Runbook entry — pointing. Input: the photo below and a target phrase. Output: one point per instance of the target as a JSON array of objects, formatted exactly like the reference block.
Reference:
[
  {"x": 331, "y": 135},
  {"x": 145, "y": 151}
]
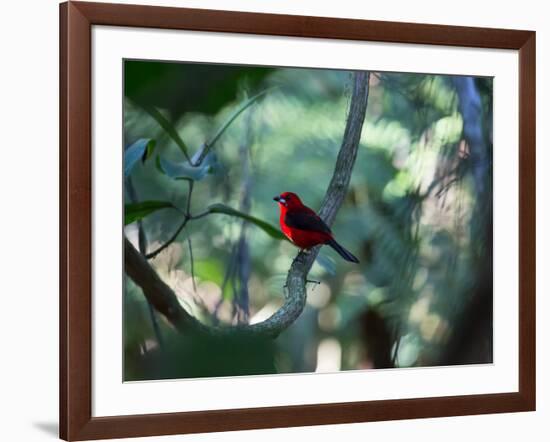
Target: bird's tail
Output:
[{"x": 348, "y": 256}]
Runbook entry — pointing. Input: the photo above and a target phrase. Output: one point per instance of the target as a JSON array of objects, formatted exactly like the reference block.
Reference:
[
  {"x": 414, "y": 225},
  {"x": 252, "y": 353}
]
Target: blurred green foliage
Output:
[{"x": 407, "y": 217}]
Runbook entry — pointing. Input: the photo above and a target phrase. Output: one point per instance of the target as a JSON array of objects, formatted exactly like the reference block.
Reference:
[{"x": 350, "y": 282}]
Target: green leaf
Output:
[
  {"x": 137, "y": 211},
  {"x": 142, "y": 149},
  {"x": 148, "y": 151},
  {"x": 268, "y": 228},
  {"x": 183, "y": 170},
  {"x": 166, "y": 125}
]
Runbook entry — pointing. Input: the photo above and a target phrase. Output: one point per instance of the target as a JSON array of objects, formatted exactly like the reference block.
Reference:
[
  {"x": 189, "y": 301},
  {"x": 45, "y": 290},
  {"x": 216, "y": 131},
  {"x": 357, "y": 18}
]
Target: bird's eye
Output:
[{"x": 288, "y": 197}]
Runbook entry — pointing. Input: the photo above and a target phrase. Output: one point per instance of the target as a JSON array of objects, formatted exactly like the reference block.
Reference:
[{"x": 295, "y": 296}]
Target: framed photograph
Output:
[{"x": 273, "y": 220}]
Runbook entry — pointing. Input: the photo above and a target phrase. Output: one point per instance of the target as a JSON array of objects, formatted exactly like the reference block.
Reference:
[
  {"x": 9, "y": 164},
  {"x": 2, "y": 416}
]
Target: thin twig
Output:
[
  {"x": 187, "y": 216},
  {"x": 191, "y": 264},
  {"x": 190, "y": 183},
  {"x": 186, "y": 219},
  {"x": 170, "y": 241}
]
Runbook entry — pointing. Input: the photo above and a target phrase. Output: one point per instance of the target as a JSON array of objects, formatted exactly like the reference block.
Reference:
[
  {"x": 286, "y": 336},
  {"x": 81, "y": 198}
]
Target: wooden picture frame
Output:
[{"x": 76, "y": 21}]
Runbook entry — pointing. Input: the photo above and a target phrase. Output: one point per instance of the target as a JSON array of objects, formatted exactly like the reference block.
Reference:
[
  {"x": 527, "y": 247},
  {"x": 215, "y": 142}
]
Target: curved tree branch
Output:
[{"x": 164, "y": 299}]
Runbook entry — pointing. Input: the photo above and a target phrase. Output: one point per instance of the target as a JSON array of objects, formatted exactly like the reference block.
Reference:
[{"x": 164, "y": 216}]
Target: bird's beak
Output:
[
  {"x": 279, "y": 200},
  {"x": 276, "y": 198}
]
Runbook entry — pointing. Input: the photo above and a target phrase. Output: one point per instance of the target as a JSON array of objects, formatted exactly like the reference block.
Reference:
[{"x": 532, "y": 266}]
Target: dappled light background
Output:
[{"x": 418, "y": 215}]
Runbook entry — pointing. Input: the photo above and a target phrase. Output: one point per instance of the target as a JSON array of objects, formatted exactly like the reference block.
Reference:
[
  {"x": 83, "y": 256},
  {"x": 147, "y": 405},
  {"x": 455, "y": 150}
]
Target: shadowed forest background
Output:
[{"x": 207, "y": 147}]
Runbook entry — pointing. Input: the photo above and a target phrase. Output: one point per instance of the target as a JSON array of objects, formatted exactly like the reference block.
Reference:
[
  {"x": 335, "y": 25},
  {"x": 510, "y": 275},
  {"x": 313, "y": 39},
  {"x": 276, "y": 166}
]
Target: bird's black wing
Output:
[{"x": 306, "y": 221}]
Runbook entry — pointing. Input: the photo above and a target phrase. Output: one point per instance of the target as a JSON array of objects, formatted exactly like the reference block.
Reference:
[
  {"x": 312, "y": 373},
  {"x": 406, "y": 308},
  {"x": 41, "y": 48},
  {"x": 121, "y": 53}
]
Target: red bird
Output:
[{"x": 304, "y": 227}]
